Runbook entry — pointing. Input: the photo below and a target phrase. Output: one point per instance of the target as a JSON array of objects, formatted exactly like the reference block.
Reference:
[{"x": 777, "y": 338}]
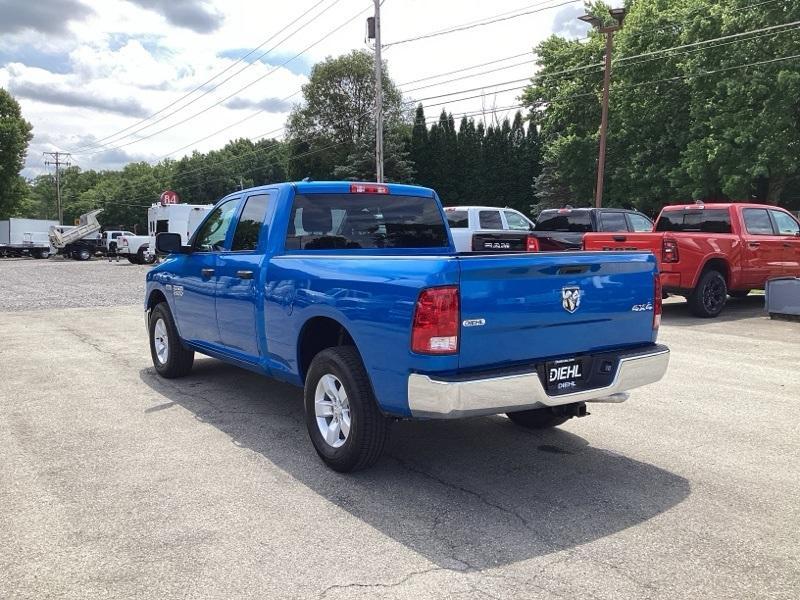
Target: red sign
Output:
[{"x": 169, "y": 197}]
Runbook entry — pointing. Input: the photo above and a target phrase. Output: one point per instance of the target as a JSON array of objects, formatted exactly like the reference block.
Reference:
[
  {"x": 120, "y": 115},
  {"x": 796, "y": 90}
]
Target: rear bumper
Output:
[{"x": 454, "y": 398}]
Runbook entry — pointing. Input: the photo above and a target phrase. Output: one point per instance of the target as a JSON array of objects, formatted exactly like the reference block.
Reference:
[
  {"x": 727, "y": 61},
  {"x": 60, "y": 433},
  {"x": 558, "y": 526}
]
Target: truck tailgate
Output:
[
  {"x": 526, "y": 307},
  {"x": 642, "y": 242}
]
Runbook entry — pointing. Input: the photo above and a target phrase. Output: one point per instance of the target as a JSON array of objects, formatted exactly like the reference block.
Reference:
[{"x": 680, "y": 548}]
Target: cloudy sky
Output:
[{"x": 114, "y": 80}]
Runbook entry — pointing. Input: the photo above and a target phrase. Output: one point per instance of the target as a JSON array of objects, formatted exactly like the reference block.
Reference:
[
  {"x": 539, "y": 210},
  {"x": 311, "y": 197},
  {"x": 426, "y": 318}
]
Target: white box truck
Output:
[{"x": 26, "y": 237}]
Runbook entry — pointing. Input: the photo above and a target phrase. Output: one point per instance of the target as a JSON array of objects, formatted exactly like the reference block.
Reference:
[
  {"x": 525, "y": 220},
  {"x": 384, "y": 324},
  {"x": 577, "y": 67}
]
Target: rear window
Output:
[
  {"x": 356, "y": 221},
  {"x": 457, "y": 218},
  {"x": 714, "y": 220},
  {"x": 573, "y": 220}
]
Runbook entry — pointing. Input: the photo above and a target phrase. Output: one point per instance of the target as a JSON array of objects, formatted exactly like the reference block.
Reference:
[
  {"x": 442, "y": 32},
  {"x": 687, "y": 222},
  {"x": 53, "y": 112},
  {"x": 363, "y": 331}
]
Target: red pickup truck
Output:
[{"x": 707, "y": 252}]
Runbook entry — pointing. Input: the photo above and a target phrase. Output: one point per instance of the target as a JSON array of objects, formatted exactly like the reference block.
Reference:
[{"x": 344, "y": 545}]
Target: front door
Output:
[
  {"x": 763, "y": 249},
  {"x": 194, "y": 286},
  {"x": 239, "y": 305},
  {"x": 788, "y": 229}
]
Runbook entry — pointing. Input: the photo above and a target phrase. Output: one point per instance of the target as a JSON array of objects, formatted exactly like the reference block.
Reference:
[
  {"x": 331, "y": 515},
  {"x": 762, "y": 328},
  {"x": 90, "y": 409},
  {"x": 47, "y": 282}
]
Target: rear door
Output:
[
  {"x": 238, "y": 274},
  {"x": 763, "y": 248},
  {"x": 788, "y": 229},
  {"x": 525, "y": 307},
  {"x": 613, "y": 221}
]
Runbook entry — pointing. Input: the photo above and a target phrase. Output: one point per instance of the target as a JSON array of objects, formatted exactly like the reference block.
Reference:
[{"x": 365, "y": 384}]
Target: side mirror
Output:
[{"x": 169, "y": 243}]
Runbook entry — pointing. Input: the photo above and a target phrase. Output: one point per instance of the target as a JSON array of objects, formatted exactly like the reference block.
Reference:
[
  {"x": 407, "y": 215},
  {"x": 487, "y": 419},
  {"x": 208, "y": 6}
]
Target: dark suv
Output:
[{"x": 563, "y": 228}]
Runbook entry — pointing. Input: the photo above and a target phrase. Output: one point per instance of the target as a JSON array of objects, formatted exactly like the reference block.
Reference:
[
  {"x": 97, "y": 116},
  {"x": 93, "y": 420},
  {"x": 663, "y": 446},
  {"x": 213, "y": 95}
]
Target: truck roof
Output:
[
  {"x": 724, "y": 205},
  {"x": 340, "y": 187}
]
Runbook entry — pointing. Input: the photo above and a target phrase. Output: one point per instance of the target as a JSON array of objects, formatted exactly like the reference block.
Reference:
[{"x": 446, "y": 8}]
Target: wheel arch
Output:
[
  {"x": 317, "y": 334},
  {"x": 715, "y": 263},
  {"x": 156, "y": 297}
]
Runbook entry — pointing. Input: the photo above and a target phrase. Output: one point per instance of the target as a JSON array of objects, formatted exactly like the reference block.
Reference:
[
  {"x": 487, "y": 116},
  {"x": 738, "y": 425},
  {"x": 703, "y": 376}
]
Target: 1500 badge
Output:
[{"x": 642, "y": 307}]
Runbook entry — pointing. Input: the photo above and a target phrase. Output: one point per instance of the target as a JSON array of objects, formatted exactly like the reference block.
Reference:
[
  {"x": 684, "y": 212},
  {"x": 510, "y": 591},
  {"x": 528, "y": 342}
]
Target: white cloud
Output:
[{"x": 138, "y": 54}]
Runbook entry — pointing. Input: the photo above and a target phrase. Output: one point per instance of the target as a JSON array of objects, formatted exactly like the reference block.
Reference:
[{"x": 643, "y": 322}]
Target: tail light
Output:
[
  {"x": 532, "y": 244},
  {"x": 669, "y": 251},
  {"x": 435, "y": 328},
  {"x": 657, "y": 294}
]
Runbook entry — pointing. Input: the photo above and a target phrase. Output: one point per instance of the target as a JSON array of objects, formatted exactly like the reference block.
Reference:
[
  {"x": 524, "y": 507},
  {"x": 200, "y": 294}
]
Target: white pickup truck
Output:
[
  {"x": 490, "y": 229},
  {"x": 136, "y": 248}
]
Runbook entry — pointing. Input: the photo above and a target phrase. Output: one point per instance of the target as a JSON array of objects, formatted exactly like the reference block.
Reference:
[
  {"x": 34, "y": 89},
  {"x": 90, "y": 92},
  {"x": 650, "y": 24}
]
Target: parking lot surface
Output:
[{"x": 117, "y": 484}]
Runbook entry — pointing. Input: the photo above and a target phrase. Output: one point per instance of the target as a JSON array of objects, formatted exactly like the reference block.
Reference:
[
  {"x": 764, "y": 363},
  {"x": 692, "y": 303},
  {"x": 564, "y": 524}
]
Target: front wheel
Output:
[
  {"x": 537, "y": 418},
  {"x": 170, "y": 357},
  {"x": 342, "y": 416},
  {"x": 709, "y": 297}
]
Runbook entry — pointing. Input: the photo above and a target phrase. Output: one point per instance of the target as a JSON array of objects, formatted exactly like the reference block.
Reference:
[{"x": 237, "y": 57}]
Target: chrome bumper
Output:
[{"x": 455, "y": 398}]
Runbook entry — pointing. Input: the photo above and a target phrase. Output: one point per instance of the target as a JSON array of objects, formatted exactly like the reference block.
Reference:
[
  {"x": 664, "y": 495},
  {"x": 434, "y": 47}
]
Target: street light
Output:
[{"x": 608, "y": 28}]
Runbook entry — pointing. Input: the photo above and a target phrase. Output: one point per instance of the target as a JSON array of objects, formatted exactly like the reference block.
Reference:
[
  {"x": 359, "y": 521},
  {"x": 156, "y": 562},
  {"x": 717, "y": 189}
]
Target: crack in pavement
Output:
[{"x": 405, "y": 579}]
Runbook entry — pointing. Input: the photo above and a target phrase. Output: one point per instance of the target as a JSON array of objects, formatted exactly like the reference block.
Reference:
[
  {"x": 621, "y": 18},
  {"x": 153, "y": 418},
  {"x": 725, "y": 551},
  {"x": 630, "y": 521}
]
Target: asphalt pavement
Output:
[{"x": 115, "y": 483}]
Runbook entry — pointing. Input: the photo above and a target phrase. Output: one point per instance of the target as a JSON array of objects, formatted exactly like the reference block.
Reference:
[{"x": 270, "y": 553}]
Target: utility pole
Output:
[
  {"x": 617, "y": 14},
  {"x": 58, "y": 159},
  {"x": 378, "y": 95}
]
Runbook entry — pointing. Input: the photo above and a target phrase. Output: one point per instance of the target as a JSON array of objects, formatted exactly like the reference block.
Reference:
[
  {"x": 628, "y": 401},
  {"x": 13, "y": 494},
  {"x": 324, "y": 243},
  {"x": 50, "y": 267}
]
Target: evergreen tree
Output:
[{"x": 419, "y": 149}]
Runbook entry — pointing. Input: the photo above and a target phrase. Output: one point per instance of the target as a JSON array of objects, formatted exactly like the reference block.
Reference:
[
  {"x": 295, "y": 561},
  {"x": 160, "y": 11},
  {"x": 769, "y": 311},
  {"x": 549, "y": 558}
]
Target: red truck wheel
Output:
[{"x": 709, "y": 297}]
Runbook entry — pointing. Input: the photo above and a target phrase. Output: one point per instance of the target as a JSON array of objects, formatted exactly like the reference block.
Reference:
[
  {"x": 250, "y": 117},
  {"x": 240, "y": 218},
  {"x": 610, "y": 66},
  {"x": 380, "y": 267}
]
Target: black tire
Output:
[
  {"x": 145, "y": 258},
  {"x": 738, "y": 293},
  {"x": 178, "y": 359},
  {"x": 537, "y": 418},
  {"x": 368, "y": 429},
  {"x": 133, "y": 259},
  {"x": 709, "y": 297},
  {"x": 82, "y": 254}
]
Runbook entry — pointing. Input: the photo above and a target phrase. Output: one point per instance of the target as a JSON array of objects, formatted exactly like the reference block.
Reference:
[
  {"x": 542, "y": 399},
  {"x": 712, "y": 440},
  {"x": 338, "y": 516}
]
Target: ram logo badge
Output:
[
  {"x": 473, "y": 322},
  {"x": 570, "y": 298}
]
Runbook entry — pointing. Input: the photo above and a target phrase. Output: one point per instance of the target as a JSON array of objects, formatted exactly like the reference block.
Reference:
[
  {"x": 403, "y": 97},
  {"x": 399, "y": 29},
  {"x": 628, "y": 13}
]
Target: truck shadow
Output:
[
  {"x": 676, "y": 312},
  {"x": 466, "y": 495}
]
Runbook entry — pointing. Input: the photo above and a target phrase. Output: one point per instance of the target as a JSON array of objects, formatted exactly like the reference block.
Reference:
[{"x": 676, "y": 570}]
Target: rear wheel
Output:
[
  {"x": 342, "y": 416},
  {"x": 738, "y": 293},
  {"x": 170, "y": 357},
  {"x": 145, "y": 258},
  {"x": 709, "y": 297},
  {"x": 538, "y": 418}
]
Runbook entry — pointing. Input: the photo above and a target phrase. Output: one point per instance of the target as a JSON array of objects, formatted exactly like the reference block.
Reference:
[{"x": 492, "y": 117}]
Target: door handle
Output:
[
  {"x": 787, "y": 245},
  {"x": 619, "y": 238},
  {"x": 244, "y": 274},
  {"x": 207, "y": 272},
  {"x": 754, "y": 244}
]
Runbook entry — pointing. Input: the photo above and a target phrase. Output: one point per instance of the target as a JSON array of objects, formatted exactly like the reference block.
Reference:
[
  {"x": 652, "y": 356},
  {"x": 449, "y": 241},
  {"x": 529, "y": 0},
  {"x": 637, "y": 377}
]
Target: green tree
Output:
[
  {"x": 15, "y": 134},
  {"x": 337, "y": 112}
]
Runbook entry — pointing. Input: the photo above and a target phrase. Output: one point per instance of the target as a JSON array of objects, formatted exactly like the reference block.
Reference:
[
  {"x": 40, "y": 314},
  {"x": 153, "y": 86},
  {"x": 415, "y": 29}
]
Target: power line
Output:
[
  {"x": 491, "y": 62},
  {"x": 481, "y": 23},
  {"x": 98, "y": 143},
  {"x": 228, "y": 97}
]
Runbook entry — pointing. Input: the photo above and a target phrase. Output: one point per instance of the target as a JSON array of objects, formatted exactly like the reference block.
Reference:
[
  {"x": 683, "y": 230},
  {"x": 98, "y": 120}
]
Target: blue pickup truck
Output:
[{"x": 354, "y": 291}]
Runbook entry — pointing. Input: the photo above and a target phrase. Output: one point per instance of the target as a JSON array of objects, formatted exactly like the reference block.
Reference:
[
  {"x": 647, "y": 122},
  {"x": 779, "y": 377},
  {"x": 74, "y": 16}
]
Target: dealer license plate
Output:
[{"x": 564, "y": 375}]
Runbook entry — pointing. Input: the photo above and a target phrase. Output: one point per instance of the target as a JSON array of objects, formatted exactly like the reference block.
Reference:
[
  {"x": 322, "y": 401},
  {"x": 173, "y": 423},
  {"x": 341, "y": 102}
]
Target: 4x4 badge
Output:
[{"x": 570, "y": 298}]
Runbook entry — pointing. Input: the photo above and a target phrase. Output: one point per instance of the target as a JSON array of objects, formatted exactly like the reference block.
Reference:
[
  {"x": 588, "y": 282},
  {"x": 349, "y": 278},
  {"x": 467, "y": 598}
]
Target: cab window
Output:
[
  {"x": 639, "y": 222},
  {"x": 757, "y": 221},
  {"x": 613, "y": 221},
  {"x": 490, "y": 219},
  {"x": 212, "y": 234},
  {"x": 248, "y": 229},
  {"x": 785, "y": 224},
  {"x": 457, "y": 218},
  {"x": 516, "y": 221}
]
